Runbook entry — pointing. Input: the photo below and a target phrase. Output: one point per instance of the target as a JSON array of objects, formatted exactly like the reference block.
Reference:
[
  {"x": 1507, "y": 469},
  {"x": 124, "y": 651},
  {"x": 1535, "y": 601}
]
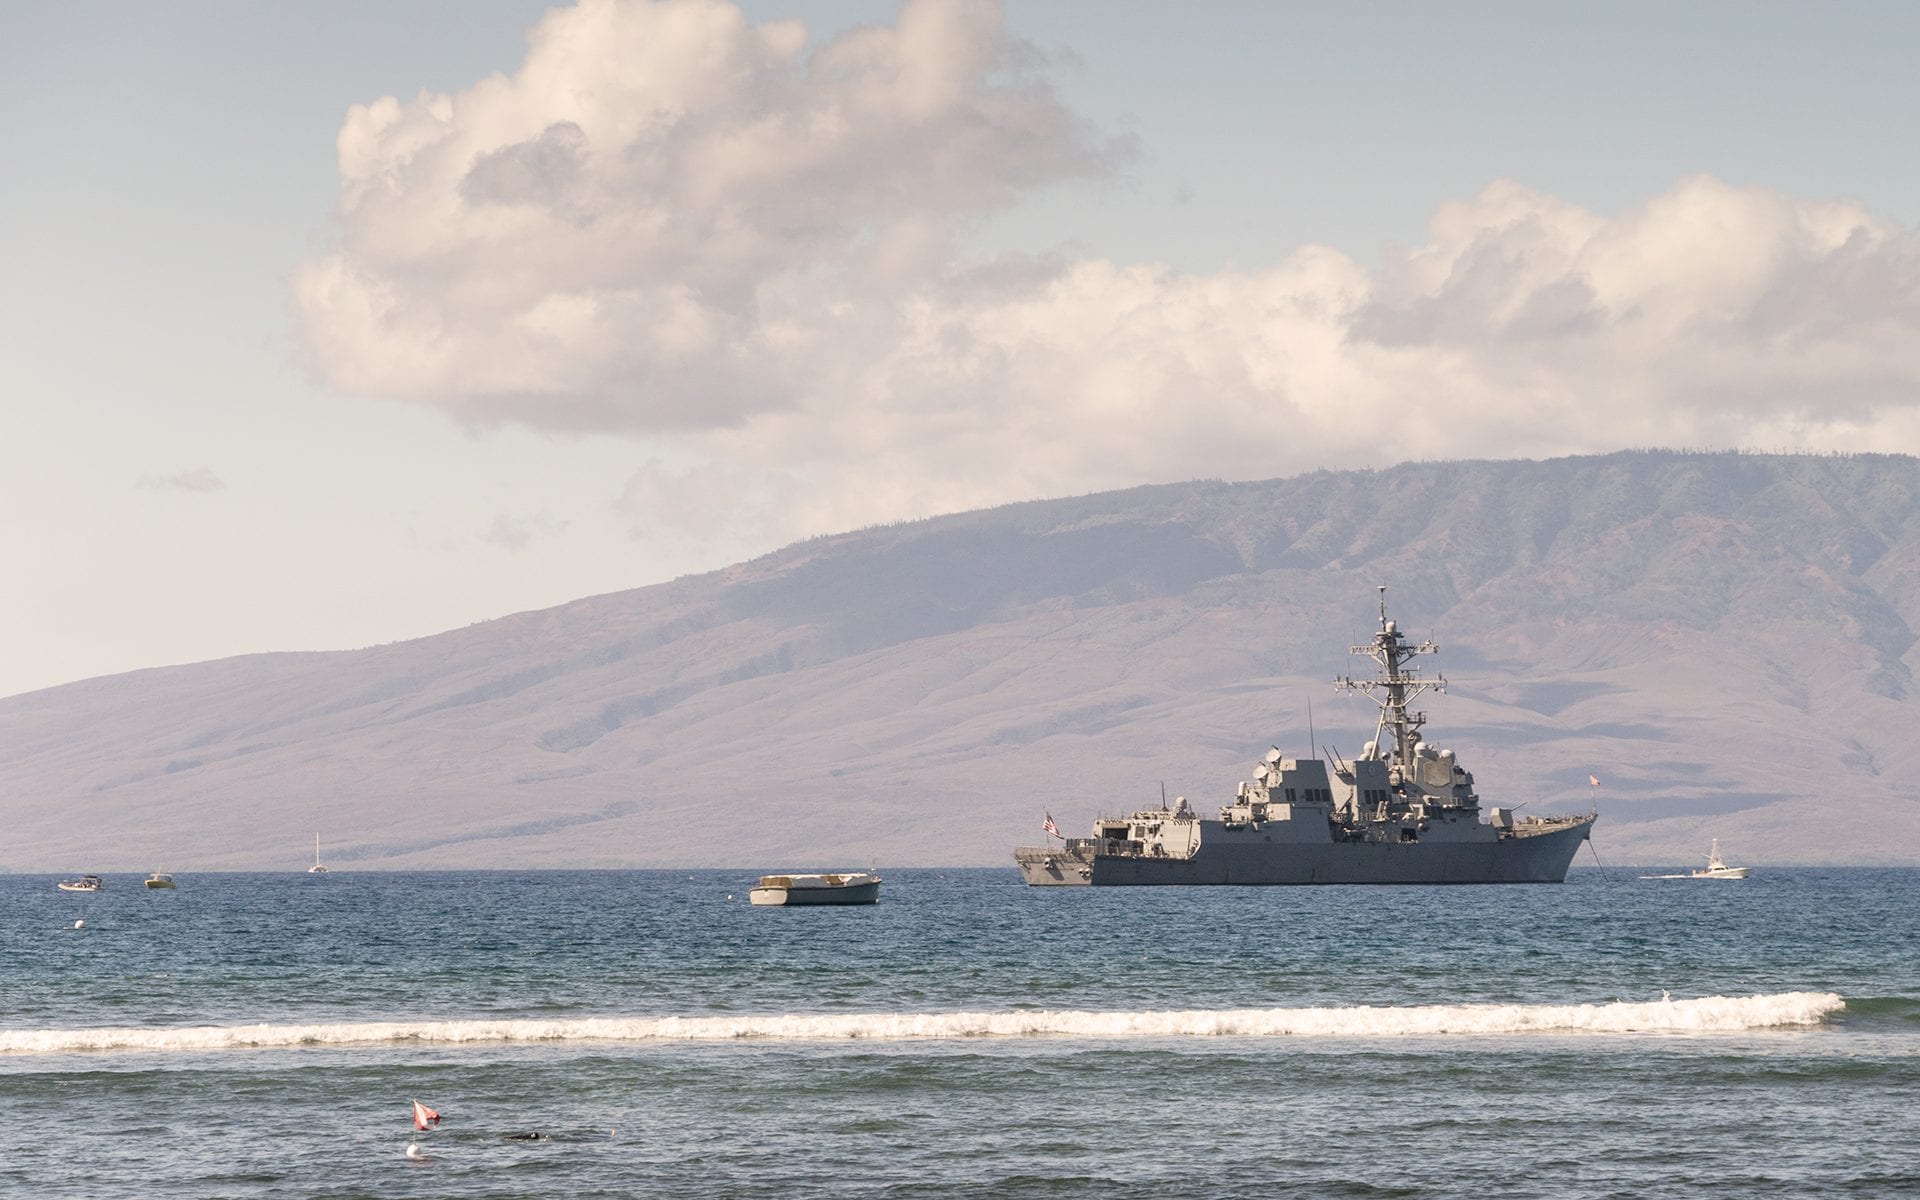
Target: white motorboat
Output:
[
  {"x": 86, "y": 883},
  {"x": 159, "y": 880},
  {"x": 1717, "y": 868},
  {"x": 856, "y": 887}
]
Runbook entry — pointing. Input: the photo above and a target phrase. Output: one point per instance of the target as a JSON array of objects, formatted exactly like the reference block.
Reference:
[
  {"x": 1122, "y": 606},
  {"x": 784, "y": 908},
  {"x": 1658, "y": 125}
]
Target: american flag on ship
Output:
[{"x": 1047, "y": 826}]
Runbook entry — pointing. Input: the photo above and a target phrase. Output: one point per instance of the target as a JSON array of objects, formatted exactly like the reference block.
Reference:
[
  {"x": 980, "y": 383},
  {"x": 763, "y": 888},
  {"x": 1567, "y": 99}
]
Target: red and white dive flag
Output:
[
  {"x": 424, "y": 1117},
  {"x": 1050, "y": 829},
  {"x": 1593, "y": 780}
]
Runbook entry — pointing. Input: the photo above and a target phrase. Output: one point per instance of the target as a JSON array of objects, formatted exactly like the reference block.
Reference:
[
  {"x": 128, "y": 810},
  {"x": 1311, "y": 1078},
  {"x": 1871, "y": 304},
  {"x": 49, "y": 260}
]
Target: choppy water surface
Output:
[{"x": 261, "y": 1035}]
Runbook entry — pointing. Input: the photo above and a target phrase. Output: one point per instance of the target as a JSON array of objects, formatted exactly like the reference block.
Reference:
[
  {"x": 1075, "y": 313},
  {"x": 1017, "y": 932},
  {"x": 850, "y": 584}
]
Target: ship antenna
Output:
[
  {"x": 1397, "y": 682},
  {"x": 1312, "y": 748}
]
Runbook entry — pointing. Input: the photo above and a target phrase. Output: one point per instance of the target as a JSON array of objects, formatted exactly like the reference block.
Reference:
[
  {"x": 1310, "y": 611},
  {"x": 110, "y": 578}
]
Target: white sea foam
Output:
[{"x": 1711, "y": 1014}]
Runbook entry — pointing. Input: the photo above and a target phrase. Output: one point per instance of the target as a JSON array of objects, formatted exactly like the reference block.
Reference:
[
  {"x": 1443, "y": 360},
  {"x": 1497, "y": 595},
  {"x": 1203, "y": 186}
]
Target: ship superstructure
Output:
[{"x": 1403, "y": 811}]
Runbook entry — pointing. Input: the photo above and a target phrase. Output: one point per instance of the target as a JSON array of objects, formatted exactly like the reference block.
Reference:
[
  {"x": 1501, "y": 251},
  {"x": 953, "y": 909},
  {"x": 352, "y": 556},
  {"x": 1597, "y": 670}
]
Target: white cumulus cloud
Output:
[
  {"x": 670, "y": 219},
  {"x": 200, "y": 479},
  {"x": 640, "y": 227}
]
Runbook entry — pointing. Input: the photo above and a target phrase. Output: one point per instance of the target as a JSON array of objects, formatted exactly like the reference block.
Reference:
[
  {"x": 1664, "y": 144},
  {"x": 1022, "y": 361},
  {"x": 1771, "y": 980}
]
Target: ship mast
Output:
[{"x": 1397, "y": 683}]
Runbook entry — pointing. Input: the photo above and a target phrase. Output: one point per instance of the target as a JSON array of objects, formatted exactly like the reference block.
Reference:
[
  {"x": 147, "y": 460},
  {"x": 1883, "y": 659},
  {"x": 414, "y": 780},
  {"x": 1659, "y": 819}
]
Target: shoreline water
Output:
[{"x": 967, "y": 1036}]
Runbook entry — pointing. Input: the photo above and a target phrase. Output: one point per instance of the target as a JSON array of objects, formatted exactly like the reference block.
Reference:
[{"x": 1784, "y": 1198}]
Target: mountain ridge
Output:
[{"x": 1726, "y": 640}]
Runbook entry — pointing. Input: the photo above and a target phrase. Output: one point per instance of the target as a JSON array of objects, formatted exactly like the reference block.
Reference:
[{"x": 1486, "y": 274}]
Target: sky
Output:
[{"x": 334, "y": 325}]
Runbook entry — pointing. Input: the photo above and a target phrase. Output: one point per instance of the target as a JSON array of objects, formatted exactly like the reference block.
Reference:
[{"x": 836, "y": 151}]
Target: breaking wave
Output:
[{"x": 1712, "y": 1014}]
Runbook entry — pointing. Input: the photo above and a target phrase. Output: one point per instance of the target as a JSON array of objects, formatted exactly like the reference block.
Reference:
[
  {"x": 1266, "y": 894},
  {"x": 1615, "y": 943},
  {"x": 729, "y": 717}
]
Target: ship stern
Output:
[{"x": 1048, "y": 866}]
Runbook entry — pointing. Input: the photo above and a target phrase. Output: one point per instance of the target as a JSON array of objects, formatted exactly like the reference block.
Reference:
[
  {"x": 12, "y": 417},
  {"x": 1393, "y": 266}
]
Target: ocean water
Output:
[{"x": 263, "y": 1035}]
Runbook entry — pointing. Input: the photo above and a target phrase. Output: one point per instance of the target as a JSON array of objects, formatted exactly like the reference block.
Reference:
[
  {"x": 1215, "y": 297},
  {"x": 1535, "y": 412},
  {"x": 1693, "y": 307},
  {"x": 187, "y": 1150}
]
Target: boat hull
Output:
[
  {"x": 790, "y": 897},
  {"x": 1541, "y": 857}
]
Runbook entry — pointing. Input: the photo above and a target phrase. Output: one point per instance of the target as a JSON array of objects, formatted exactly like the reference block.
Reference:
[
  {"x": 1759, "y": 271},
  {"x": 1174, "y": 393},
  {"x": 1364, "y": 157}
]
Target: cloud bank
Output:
[
  {"x": 672, "y": 221},
  {"x": 200, "y": 479}
]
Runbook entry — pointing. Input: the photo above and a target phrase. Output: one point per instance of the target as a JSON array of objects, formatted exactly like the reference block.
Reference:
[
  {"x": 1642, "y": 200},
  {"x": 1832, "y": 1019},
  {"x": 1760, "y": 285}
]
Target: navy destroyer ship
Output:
[{"x": 1404, "y": 811}]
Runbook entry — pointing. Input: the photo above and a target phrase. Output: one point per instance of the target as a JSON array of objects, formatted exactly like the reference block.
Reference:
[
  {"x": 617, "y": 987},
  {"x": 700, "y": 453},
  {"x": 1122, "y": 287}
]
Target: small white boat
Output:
[
  {"x": 316, "y": 868},
  {"x": 86, "y": 883},
  {"x": 160, "y": 879},
  {"x": 1717, "y": 868},
  {"x": 857, "y": 887}
]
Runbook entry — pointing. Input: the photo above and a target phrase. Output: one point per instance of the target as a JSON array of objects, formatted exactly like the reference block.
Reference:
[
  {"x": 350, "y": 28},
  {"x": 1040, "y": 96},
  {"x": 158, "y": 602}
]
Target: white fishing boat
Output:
[
  {"x": 316, "y": 868},
  {"x": 856, "y": 887},
  {"x": 1717, "y": 868},
  {"x": 86, "y": 883},
  {"x": 159, "y": 880}
]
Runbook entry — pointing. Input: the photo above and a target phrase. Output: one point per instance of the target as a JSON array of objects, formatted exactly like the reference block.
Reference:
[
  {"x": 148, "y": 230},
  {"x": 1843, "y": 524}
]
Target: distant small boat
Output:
[
  {"x": 160, "y": 879},
  {"x": 858, "y": 887},
  {"x": 86, "y": 883},
  {"x": 1717, "y": 868},
  {"x": 316, "y": 868}
]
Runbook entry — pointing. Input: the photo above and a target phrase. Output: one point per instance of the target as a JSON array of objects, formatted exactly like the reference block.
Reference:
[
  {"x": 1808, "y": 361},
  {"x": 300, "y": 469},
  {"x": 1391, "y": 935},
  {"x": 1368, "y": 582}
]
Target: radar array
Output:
[{"x": 1398, "y": 684}]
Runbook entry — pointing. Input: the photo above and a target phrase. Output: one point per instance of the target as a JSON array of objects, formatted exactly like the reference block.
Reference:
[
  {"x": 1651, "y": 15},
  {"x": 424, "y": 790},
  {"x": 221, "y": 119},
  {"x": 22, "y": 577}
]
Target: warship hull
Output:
[
  {"x": 1403, "y": 811},
  {"x": 1524, "y": 857}
]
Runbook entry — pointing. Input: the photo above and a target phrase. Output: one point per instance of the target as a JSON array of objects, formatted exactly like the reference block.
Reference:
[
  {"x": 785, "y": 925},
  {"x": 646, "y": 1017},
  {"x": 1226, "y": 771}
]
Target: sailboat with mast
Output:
[
  {"x": 317, "y": 868},
  {"x": 1404, "y": 811}
]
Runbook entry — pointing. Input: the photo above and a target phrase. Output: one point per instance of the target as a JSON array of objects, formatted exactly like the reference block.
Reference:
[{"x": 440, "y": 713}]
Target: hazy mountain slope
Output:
[{"x": 1726, "y": 641}]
